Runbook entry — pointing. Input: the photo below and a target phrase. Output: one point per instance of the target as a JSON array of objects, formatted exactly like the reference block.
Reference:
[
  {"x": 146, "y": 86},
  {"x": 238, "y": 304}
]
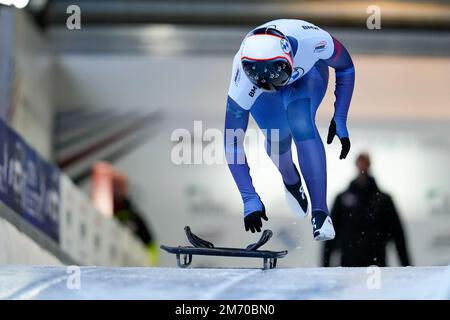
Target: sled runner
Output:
[{"x": 202, "y": 247}]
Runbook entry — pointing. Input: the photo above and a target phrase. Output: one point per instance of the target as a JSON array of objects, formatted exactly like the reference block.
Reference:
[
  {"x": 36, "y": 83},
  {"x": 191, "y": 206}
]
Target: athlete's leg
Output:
[
  {"x": 268, "y": 112},
  {"x": 302, "y": 100}
]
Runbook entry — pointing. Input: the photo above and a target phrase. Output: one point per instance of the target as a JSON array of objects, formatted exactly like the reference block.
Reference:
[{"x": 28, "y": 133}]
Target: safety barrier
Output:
[{"x": 41, "y": 204}]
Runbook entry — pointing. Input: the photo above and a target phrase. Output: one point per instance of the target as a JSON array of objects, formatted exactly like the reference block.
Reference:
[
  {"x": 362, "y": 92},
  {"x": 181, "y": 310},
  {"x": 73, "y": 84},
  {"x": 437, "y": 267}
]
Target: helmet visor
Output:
[{"x": 268, "y": 74}]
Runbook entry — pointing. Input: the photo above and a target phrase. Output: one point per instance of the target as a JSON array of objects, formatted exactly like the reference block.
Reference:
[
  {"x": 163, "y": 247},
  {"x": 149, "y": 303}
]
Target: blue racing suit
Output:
[{"x": 292, "y": 111}]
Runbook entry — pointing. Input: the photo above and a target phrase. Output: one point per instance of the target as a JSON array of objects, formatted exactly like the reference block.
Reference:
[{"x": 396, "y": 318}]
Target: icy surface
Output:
[{"x": 40, "y": 282}]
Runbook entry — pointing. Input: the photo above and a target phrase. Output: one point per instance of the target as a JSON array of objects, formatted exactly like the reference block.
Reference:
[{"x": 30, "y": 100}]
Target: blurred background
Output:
[{"x": 97, "y": 105}]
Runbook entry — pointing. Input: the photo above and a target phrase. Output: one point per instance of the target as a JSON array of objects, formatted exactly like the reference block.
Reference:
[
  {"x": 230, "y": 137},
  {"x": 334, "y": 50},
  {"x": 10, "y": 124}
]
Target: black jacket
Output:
[
  {"x": 131, "y": 217},
  {"x": 365, "y": 220}
]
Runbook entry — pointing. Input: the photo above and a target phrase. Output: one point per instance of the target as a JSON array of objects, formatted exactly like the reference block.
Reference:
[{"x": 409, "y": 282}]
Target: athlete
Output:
[{"x": 280, "y": 76}]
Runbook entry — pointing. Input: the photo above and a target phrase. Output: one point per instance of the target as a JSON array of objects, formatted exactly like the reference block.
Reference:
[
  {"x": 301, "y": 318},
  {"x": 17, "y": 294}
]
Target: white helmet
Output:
[{"x": 266, "y": 58}]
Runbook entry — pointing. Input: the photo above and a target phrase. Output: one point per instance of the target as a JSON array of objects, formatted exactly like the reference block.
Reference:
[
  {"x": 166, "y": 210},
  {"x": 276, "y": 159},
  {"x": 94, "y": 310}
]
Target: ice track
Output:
[{"x": 40, "y": 282}]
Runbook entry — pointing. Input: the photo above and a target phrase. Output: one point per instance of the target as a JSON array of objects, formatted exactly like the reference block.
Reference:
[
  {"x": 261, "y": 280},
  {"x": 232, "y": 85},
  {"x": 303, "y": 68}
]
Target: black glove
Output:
[
  {"x": 345, "y": 141},
  {"x": 253, "y": 221}
]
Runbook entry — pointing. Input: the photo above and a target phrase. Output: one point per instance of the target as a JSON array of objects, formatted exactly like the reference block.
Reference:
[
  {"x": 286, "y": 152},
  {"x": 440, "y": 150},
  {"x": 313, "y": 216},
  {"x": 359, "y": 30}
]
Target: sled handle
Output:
[
  {"x": 195, "y": 240},
  {"x": 267, "y": 234}
]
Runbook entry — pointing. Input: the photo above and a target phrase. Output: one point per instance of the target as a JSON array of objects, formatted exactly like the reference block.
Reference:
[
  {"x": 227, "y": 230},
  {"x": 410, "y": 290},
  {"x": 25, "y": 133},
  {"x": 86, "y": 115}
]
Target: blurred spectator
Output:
[
  {"x": 128, "y": 214},
  {"x": 365, "y": 220},
  {"x": 111, "y": 197}
]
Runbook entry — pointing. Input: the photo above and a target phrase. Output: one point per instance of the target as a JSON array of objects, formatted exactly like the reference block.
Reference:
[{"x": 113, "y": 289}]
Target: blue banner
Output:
[{"x": 29, "y": 185}]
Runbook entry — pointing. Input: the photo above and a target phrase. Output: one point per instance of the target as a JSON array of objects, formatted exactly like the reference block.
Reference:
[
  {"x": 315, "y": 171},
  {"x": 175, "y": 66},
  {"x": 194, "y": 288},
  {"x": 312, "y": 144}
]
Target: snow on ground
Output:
[{"x": 41, "y": 282}]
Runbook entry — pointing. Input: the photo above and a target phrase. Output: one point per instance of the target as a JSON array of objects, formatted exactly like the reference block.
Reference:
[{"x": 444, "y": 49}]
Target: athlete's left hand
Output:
[{"x": 345, "y": 141}]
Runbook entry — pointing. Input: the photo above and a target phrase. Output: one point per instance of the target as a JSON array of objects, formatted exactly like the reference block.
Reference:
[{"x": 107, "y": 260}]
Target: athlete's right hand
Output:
[{"x": 253, "y": 220}]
